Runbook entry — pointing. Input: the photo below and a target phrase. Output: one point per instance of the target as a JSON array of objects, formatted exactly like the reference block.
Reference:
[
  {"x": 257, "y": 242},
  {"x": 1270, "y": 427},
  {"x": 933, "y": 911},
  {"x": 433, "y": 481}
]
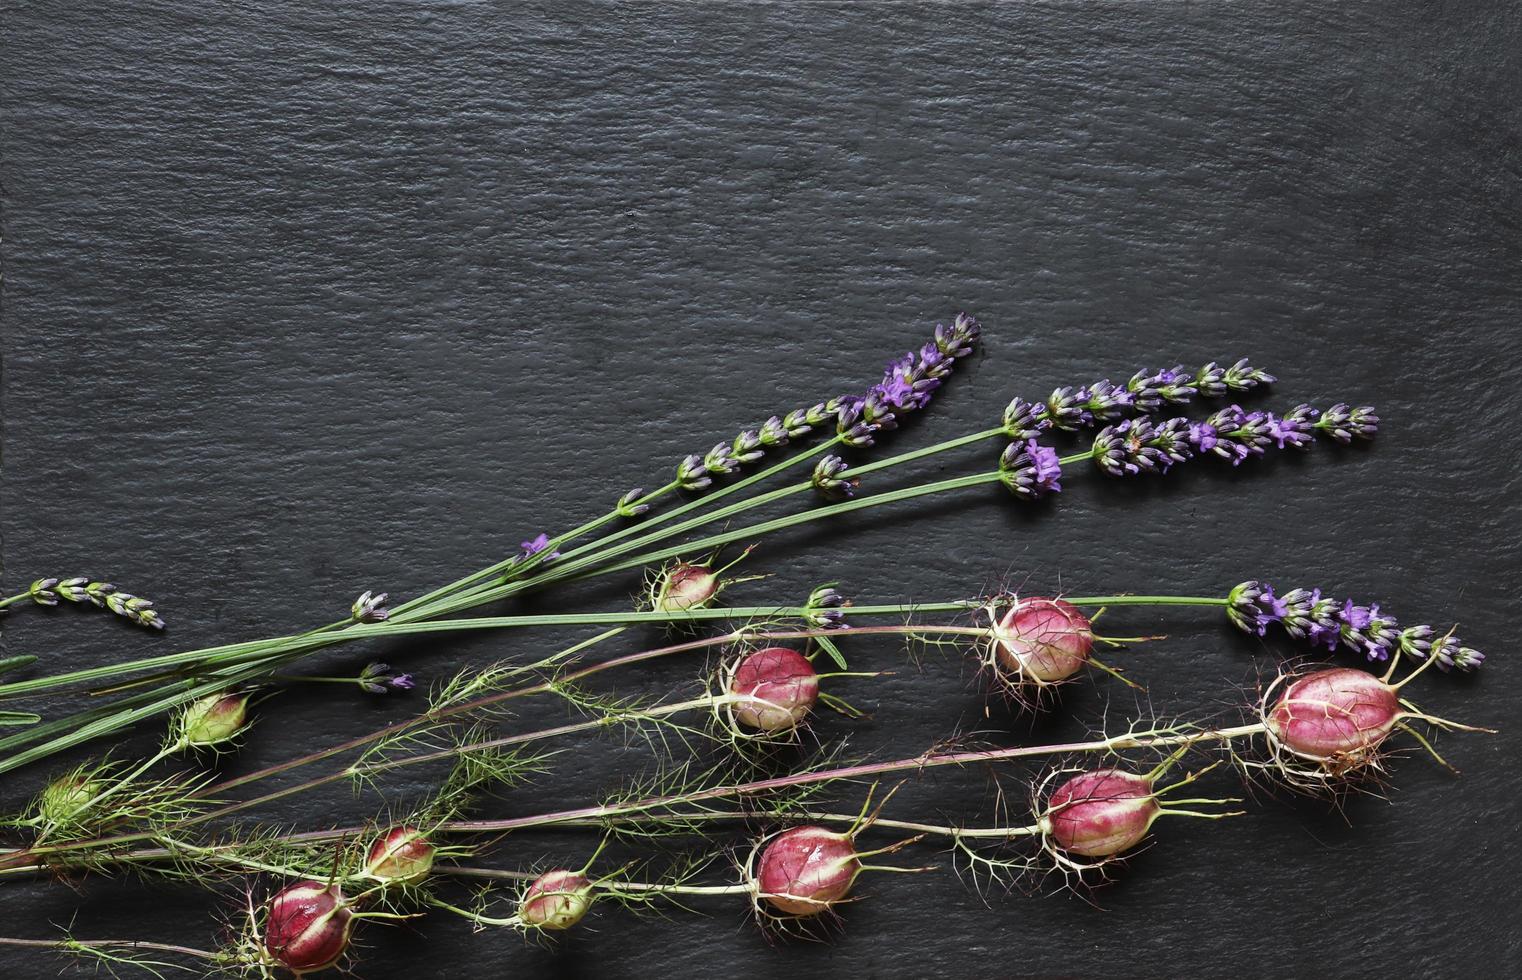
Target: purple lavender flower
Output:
[
  {"x": 1308, "y": 616},
  {"x": 1022, "y": 420},
  {"x": 1150, "y": 391},
  {"x": 1380, "y": 635},
  {"x": 830, "y": 479},
  {"x": 1030, "y": 470},
  {"x": 1202, "y": 436},
  {"x": 826, "y": 609},
  {"x": 1252, "y": 605},
  {"x": 370, "y": 607},
  {"x": 1324, "y": 621},
  {"x": 1295, "y": 428},
  {"x": 377, "y": 678},
  {"x": 1140, "y": 445},
  {"x": 1345, "y": 423},
  {"x": 1242, "y": 376},
  {"x": 629, "y": 504},
  {"x": 535, "y": 546},
  {"x": 1065, "y": 409}
]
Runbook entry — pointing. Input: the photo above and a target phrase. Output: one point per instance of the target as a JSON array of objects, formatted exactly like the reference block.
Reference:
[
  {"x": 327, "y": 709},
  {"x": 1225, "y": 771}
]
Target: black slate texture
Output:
[{"x": 305, "y": 299}]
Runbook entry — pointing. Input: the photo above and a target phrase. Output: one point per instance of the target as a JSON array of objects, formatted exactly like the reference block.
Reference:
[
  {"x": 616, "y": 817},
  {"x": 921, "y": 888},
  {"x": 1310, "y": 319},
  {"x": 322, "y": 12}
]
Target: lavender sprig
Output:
[
  {"x": 907, "y": 385},
  {"x": 104, "y": 595},
  {"x": 1324, "y": 621},
  {"x": 1071, "y": 409}
]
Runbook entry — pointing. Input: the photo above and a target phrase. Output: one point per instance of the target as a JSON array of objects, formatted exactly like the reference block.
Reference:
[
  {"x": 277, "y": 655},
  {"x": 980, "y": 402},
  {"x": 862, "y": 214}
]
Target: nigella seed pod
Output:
[
  {"x": 1042, "y": 640},
  {"x": 777, "y": 688},
  {"x": 213, "y": 720},
  {"x": 64, "y": 800},
  {"x": 556, "y": 900},
  {"x": 1337, "y": 717},
  {"x": 307, "y": 928},
  {"x": 684, "y": 586},
  {"x": 402, "y": 856},
  {"x": 806, "y": 870},
  {"x": 1101, "y": 813}
]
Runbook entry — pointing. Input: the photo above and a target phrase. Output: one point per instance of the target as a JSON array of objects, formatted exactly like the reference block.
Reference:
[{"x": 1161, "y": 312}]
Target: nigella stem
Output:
[
  {"x": 928, "y": 760},
  {"x": 72, "y": 945},
  {"x": 811, "y": 816}
]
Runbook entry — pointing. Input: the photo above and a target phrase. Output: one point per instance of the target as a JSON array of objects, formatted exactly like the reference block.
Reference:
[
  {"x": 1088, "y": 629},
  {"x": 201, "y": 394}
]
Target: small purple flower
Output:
[
  {"x": 1251, "y": 606},
  {"x": 537, "y": 545},
  {"x": 1354, "y": 617},
  {"x": 1295, "y": 428},
  {"x": 1202, "y": 436},
  {"x": 377, "y": 678},
  {"x": 1030, "y": 470}
]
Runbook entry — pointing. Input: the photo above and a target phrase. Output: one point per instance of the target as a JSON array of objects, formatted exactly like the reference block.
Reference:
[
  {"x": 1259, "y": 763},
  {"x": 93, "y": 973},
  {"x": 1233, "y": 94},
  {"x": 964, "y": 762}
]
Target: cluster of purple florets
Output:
[
  {"x": 907, "y": 386},
  {"x": 908, "y": 383},
  {"x": 1143, "y": 445},
  {"x": 1030, "y": 470},
  {"x": 1071, "y": 409},
  {"x": 1324, "y": 621}
]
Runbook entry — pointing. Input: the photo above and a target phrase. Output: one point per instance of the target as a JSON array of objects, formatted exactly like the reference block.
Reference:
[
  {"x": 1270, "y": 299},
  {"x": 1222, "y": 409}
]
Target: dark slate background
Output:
[{"x": 311, "y": 299}]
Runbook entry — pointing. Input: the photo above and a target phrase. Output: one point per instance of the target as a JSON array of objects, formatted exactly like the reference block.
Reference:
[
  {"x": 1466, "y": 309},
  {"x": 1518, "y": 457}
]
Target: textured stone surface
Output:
[{"x": 314, "y": 299}]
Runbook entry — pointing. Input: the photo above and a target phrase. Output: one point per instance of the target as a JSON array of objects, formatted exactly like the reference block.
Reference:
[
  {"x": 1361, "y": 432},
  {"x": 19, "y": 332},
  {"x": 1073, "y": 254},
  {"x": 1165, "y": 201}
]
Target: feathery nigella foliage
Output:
[{"x": 1307, "y": 614}]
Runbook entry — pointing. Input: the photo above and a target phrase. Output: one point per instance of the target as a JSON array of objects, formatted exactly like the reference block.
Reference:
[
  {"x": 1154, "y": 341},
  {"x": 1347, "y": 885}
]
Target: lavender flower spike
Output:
[
  {"x": 1323, "y": 621},
  {"x": 908, "y": 383},
  {"x": 1030, "y": 470}
]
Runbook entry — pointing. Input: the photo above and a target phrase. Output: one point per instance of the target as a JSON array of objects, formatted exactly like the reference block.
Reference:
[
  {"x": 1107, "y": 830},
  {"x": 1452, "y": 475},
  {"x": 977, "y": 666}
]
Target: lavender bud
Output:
[
  {"x": 370, "y": 607},
  {"x": 774, "y": 433},
  {"x": 1064, "y": 409},
  {"x": 1105, "y": 401},
  {"x": 826, "y": 609},
  {"x": 800, "y": 421},
  {"x": 1345, "y": 423},
  {"x": 629, "y": 505},
  {"x": 746, "y": 449},
  {"x": 1251, "y": 606},
  {"x": 958, "y": 339},
  {"x": 692, "y": 474},
  {"x": 377, "y": 678},
  {"x": 720, "y": 461},
  {"x": 830, "y": 480},
  {"x": 1022, "y": 420},
  {"x": 42, "y": 592},
  {"x": 1242, "y": 376}
]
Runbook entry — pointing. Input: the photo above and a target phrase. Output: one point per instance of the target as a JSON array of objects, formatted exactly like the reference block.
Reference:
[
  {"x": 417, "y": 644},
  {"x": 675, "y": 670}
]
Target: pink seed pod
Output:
[
  {"x": 213, "y": 720},
  {"x": 1042, "y": 640},
  {"x": 1100, "y": 813},
  {"x": 783, "y": 686},
  {"x": 307, "y": 929},
  {"x": 401, "y": 856},
  {"x": 556, "y": 900},
  {"x": 684, "y": 586},
  {"x": 806, "y": 870},
  {"x": 1338, "y": 716}
]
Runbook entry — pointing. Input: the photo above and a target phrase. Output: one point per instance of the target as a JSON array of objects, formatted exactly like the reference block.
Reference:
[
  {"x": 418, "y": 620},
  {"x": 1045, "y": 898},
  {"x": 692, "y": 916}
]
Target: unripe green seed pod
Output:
[{"x": 214, "y": 720}]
